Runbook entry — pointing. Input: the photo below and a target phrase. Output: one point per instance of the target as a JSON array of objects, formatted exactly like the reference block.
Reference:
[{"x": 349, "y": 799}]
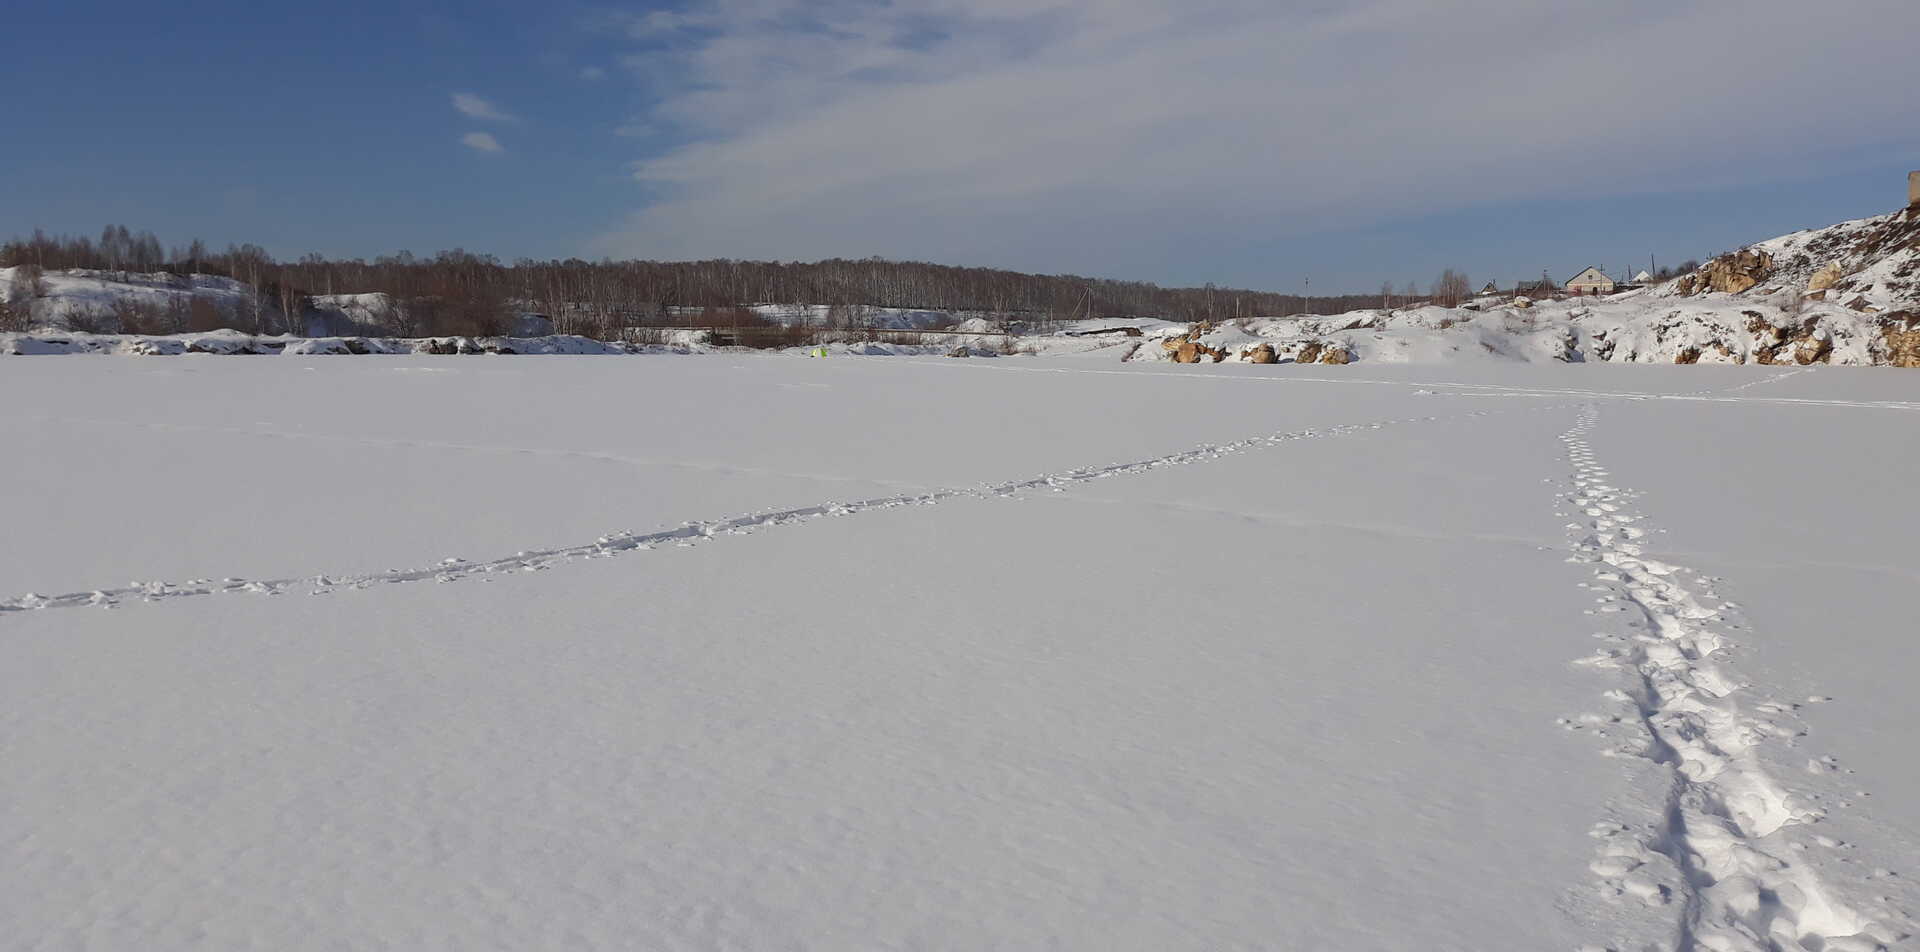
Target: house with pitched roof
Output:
[{"x": 1590, "y": 281}]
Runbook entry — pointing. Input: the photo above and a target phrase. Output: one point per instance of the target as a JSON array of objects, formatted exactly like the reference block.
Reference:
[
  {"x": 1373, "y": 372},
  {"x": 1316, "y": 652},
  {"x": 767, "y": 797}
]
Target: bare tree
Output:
[
  {"x": 23, "y": 287},
  {"x": 135, "y": 315},
  {"x": 1451, "y": 288},
  {"x": 204, "y": 315}
]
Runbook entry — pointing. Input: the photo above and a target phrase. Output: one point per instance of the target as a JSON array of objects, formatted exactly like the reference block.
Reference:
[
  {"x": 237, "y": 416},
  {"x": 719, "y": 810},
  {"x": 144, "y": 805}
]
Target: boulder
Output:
[
  {"x": 1336, "y": 354},
  {"x": 1523, "y": 302},
  {"x": 1187, "y": 348},
  {"x": 1262, "y": 354},
  {"x": 1826, "y": 277},
  {"x": 959, "y": 352},
  {"x": 1309, "y": 353},
  {"x": 1813, "y": 350}
]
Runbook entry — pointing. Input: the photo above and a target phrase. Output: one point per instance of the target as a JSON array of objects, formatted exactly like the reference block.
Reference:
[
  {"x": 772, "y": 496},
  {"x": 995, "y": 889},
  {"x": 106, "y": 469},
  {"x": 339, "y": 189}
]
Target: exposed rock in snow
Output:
[
  {"x": 1900, "y": 335},
  {"x": 1826, "y": 277},
  {"x": 1733, "y": 273}
]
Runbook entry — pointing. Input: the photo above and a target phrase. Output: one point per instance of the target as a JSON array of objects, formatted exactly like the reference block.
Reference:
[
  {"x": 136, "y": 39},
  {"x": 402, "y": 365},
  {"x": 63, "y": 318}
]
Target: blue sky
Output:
[{"x": 1260, "y": 144}]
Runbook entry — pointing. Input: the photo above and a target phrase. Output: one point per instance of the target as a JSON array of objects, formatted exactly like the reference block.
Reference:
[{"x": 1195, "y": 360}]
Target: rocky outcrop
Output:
[
  {"x": 1900, "y": 333},
  {"x": 1803, "y": 343},
  {"x": 1813, "y": 350},
  {"x": 1730, "y": 273},
  {"x": 1263, "y": 354},
  {"x": 1767, "y": 339},
  {"x": 1826, "y": 277},
  {"x": 1336, "y": 354}
]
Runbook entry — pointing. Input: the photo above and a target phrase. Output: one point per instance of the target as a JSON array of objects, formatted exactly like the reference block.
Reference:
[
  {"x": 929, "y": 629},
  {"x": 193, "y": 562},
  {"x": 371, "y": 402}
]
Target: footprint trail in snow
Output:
[
  {"x": 691, "y": 533},
  {"x": 1720, "y": 854}
]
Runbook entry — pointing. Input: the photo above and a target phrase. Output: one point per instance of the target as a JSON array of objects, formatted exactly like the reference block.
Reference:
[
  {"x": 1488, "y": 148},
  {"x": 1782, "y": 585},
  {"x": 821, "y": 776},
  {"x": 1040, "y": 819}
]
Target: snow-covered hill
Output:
[
  {"x": 1846, "y": 294},
  {"x": 86, "y": 299}
]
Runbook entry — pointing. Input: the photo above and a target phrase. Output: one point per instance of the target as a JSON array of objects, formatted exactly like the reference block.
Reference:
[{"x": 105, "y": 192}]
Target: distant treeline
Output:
[{"x": 476, "y": 292}]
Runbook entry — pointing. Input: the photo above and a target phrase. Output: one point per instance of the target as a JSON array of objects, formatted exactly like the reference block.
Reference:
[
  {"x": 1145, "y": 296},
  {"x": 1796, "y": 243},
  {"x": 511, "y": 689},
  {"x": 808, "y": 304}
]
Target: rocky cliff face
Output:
[
  {"x": 1869, "y": 266},
  {"x": 1734, "y": 273}
]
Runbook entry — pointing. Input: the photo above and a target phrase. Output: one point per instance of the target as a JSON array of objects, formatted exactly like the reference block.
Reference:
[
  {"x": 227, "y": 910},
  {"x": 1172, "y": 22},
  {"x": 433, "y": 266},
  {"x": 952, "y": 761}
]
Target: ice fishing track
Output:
[{"x": 1718, "y": 854}]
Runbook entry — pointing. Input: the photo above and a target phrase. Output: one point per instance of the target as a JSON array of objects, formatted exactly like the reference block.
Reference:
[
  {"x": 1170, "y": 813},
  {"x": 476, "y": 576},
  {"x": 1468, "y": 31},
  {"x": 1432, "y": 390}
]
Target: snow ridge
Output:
[
  {"x": 1720, "y": 845},
  {"x": 691, "y": 533}
]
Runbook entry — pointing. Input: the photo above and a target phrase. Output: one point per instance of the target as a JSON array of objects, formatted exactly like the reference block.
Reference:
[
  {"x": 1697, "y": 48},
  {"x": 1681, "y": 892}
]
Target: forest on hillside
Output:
[{"x": 463, "y": 292}]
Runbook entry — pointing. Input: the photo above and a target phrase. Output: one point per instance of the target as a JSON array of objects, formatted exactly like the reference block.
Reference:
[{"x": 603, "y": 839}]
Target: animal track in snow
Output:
[{"x": 1740, "y": 887}]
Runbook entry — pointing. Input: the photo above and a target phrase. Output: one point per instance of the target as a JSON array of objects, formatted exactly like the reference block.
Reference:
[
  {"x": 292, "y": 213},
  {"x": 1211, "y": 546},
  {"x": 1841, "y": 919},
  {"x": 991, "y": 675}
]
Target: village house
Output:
[{"x": 1590, "y": 281}]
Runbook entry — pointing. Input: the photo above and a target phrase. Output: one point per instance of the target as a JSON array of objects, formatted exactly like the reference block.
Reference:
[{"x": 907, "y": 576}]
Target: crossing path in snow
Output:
[{"x": 690, "y": 533}]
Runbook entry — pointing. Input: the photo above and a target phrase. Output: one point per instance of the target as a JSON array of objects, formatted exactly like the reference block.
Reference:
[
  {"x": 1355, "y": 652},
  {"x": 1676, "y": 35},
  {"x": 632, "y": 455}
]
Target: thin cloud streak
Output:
[
  {"x": 482, "y": 142},
  {"x": 474, "y": 107}
]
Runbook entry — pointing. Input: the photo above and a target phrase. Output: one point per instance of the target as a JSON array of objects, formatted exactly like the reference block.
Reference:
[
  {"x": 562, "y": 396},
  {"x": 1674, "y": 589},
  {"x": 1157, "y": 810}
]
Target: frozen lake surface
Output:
[{"x": 737, "y": 652}]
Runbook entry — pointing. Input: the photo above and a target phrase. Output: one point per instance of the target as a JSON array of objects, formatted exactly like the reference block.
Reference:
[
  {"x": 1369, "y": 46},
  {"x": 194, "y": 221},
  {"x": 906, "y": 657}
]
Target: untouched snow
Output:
[{"x": 751, "y": 652}]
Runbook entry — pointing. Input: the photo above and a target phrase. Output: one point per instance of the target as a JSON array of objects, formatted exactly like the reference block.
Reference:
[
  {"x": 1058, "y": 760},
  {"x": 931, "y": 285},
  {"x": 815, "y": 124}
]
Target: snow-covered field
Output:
[{"x": 745, "y": 652}]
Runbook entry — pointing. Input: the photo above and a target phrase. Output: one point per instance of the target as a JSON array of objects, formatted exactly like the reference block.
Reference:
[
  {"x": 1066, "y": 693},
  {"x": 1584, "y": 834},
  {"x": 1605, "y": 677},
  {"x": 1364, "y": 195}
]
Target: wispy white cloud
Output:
[
  {"x": 656, "y": 22},
  {"x": 482, "y": 142},
  {"x": 1095, "y": 134},
  {"x": 474, "y": 107}
]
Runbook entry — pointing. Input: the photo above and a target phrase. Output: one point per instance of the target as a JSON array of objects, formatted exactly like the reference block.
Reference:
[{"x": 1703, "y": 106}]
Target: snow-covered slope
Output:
[
  {"x": 1871, "y": 265},
  {"x": 1847, "y": 294},
  {"x": 91, "y": 298}
]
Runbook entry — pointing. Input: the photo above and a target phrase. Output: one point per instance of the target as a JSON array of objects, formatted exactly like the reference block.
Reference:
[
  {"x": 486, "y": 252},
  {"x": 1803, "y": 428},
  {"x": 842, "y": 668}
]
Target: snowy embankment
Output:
[
  {"x": 230, "y": 343},
  {"x": 1053, "y": 653},
  {"x": 77, "y": 297},
  {"x": 1847, "y": 295},
  {"x": 236, "y": 343}
]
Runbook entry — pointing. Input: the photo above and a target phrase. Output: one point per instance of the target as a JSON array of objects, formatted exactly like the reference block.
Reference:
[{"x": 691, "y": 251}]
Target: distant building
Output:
[
  {"x": 1590, "y": 281},
  {"x": 1491, "y": 288},
  {"x": 1642, "y": 278}
]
